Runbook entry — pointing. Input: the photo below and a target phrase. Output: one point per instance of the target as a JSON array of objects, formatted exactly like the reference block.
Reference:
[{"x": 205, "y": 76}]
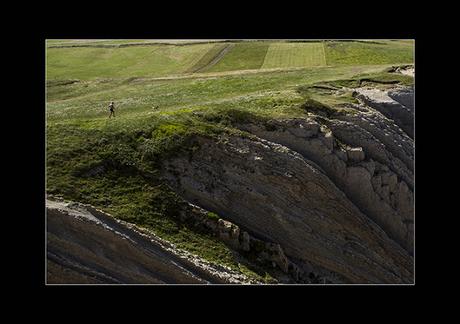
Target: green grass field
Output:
[
  {"x": 243, "y": 56},
  {"x": 157, "y": 60},
  {"x": 381, "y": 52},
  {"x": 91, "y": 62},
  {"x": 155, "y": 118},
  {"x": 281, "y": 55},
  {"x": 99, "y": 42}
]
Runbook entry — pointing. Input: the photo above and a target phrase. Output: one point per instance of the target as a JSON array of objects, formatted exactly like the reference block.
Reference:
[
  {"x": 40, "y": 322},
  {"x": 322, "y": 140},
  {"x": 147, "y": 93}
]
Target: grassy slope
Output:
[
  {"x": 88, "y": 63},
  {"x": 294, "y": 55},
  {"x": 384, "y": 52},
  {"x": 131, "y": 146},
  {"x": 243, "y": 56},
  {"x": 89, "y": 100},
  {"x": 207, "y": 58}
]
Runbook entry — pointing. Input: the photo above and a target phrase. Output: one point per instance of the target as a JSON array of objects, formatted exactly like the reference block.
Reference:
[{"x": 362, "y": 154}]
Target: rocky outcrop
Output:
[
  {"x": 380, "y": 144},
  {"x": 404, "y": 69},
  {"x": 280, "y": 196},
  {"x": 85, "y": 245},
  {"x": 265, "y": 252},
  {"x": 390, "y": 104},
  {"x": 357, "y": 163}
]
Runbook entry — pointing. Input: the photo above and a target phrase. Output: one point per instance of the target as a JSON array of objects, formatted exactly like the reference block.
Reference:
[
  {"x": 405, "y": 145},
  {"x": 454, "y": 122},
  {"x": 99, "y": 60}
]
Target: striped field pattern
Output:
[
  {"x": 159, "y": 60},
  {"x": 284, "y": 55}
]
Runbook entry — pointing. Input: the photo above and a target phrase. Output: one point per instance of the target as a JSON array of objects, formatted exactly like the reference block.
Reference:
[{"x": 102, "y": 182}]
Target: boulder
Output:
[{"x": 229, "y": 233}]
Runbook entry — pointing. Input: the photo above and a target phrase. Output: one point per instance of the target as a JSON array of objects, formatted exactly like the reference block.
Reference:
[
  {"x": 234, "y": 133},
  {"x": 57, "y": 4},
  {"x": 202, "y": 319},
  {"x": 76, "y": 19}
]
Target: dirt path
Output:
[{"x": 207, "y": 75}]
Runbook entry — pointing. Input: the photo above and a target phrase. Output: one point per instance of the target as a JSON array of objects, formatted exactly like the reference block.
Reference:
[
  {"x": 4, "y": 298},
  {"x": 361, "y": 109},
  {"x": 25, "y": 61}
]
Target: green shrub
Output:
[{"x": 212, "y": 215}]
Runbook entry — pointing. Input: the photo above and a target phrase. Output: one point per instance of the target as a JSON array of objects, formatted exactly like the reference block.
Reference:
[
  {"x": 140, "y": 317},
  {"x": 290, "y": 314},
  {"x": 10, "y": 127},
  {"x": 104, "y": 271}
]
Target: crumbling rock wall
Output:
[
  {"x": 280, "y": 196},
  {"x": 380, "y": 192},
  {"x": 389, "y": 103},
  {"x": 269, "y": 253}
]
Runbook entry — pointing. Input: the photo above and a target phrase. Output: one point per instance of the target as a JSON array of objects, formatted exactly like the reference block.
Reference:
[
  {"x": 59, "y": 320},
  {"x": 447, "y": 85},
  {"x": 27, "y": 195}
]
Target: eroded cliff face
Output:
[
  {"x": 358, "y": 163},
  {"x": 335, "y": 193},
  {"x": 397, "y": 105},
  {"x": 278, "y": 195}
]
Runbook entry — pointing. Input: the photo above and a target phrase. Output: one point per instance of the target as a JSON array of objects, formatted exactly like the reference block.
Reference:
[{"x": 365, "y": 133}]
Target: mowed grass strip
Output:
[
  {"x": 243, "y": 56},
  {"x": 87, "y": 63},
  {"x": 283, "y": 55},
  {"x": 359, "y": 53}
]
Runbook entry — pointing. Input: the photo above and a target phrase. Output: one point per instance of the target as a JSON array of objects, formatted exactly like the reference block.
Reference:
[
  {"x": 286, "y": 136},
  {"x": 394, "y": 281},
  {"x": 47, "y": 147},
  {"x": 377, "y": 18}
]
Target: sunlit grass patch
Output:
[{"x": 294, "y": 55}]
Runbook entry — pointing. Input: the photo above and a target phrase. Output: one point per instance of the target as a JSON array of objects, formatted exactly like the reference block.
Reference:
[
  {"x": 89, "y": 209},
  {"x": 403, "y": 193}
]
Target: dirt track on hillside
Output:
[{"x": 216, "y": 58}]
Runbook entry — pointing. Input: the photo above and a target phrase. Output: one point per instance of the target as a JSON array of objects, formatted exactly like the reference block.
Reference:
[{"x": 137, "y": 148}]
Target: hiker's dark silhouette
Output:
[{"x": 112, "y": 109}]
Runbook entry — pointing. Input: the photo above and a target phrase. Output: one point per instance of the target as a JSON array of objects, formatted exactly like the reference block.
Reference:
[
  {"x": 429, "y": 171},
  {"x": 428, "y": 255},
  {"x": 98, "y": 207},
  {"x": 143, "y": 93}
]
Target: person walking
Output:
[{"x": 112, "y": 109}]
